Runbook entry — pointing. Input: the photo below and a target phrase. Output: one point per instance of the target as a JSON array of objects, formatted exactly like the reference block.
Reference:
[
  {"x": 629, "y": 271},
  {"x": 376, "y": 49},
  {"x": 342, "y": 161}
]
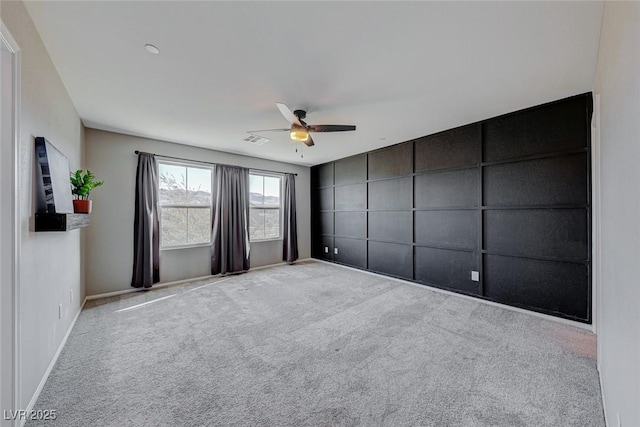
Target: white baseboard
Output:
[
  {"x": 112, "y": 294},
  {"x": 156, "y": 286},
  {"x": 604, "y": 407},
  {"x": 180, "y": 282},
  {"x": 43, "y": 381},
  {"x": 483, "y": 301},
  {"x": 280, "y": 263}
]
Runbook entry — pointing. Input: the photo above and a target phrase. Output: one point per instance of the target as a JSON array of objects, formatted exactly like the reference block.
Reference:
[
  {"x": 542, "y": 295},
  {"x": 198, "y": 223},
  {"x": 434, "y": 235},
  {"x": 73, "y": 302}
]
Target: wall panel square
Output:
[
  {"x": 390, "y": 194},
  {"x": 452, "y": 148},
  {"x": 556, "y": 233},
  {"x": 326, "y": 249},
  {"x": 391, "y": 258},
  {"x": 326, "y": 223},
  {"x": 392, "y": 161},
  {"x": 351, "y": 252},
  {"x": 549, "y": 128},
  {"x": 351, "y": 169},
  {"x": 445, "y": 268},
  {"x": 447, "y": 228},
  {"x": 549, "y": 181},
  {"x": 325, "y": 199},
  {"x": 549, "y": 286},
  {"x": 351, "y": 224},
  {"x": 447, "y": 189},
  {"x": 325, "y": 175},
  {"x": 351, "y": 197},
  {"x": 390, "y": 226}
]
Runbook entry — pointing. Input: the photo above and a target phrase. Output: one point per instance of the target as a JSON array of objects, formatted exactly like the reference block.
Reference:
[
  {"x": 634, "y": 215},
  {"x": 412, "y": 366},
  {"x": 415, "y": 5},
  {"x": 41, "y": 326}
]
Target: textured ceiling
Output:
[{"x": 397, "y": 70}]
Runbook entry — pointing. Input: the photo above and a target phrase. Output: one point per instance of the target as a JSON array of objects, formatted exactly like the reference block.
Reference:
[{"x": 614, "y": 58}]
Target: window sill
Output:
[
  {"x": 171, "y": 248},
  {"x": 269, "y": 239}
]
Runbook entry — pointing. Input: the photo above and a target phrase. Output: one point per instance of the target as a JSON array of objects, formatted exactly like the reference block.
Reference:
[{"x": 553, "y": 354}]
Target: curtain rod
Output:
[{"x": 212, "y": 163}]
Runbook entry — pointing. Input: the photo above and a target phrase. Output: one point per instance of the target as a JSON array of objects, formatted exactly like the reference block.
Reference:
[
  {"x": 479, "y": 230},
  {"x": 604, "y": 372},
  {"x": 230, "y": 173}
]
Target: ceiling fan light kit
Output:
[
  {"x": 299, "y": 130},
  {"x": 298, "y": 133}
]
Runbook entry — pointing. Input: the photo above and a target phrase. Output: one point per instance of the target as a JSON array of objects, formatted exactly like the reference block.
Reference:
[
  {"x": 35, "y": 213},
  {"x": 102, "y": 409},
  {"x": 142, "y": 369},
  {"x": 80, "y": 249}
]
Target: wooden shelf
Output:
[{"x": 61, "y": 221}]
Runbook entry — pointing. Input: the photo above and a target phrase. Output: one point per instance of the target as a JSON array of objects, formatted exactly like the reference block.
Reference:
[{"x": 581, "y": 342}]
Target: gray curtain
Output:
[
  {"x": 146, "y": 237},
  {"x": 290, "y": 245},
  {"x": 230, "y": 233}
]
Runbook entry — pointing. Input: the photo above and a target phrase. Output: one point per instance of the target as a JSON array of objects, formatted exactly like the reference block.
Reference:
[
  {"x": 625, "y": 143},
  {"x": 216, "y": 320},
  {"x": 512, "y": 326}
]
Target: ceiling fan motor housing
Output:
[{"x": 300, "y": 114}]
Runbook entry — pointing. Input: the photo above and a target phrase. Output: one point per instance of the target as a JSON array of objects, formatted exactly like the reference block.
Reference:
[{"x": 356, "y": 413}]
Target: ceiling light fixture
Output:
[{"x": 152, "y": 49}]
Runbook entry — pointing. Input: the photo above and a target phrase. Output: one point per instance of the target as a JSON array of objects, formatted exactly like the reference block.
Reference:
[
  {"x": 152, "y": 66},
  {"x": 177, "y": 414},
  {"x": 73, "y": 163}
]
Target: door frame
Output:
[
  {"x": 13, "y": 242},
  {"x": 596, "y": 210}
]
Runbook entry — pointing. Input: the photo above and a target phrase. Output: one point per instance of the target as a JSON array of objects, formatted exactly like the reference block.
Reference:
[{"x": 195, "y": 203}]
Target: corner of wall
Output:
[
  {"x": 617, "y": 81},
  {"x": 84, "y": 246}
]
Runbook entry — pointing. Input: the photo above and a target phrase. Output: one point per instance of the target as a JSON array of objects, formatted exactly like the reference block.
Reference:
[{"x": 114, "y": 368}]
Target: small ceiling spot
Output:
[
  {"x": 151, "y": 48},
  {"x": 383, "y": 138}
]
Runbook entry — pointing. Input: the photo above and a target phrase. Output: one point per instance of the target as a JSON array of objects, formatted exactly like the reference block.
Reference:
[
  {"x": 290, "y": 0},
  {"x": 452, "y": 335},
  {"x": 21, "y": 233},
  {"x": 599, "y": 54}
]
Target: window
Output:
[
  {"x": 185, "y": 205},
  {"x": 264, "y": 217}
]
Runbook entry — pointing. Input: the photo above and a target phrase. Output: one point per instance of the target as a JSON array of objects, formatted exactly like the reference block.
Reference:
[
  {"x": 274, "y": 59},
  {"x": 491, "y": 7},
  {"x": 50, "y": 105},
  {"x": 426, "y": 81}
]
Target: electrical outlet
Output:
[
  {"x": 326, "y": 249},
  {"x": 335, "y": 251},
  {"x": 475, "y": 276},
  {"x": 60, "y": 311},
  {"x": 71, "y": 295}
]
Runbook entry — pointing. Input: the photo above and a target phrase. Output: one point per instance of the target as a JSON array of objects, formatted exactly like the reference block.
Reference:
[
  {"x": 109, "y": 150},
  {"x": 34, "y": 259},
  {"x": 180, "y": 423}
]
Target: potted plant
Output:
[{"x": 82, "y": 182}]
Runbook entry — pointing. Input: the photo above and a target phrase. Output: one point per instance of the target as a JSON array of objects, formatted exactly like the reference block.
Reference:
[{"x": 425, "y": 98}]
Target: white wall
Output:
[
  {"x": 618, "y": 84},
  {"x": 49, "y": 262},
  {"x": 110, "y": 236}
]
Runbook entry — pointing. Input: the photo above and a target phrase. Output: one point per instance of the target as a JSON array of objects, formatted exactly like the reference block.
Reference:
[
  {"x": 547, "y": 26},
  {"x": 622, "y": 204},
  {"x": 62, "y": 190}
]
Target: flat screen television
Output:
[{"x": 53, "y": 184}]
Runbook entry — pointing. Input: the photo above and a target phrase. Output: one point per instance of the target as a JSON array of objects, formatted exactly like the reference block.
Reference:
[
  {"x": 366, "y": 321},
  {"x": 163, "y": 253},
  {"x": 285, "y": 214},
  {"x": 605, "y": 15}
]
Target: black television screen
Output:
[{"x": 54, "y": 186}]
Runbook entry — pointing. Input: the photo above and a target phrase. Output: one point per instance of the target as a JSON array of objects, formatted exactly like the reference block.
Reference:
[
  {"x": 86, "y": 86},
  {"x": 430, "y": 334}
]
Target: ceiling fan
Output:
[{"x": 299, "y": 130}]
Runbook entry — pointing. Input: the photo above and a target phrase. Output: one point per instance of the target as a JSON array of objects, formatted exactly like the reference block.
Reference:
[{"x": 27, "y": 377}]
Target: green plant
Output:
[{"x": 82, "y": 183}]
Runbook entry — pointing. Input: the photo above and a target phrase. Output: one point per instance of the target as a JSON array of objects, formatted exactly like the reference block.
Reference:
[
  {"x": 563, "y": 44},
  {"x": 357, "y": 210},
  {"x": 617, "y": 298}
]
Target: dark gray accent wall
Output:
[{"x": 508, "y": 197}]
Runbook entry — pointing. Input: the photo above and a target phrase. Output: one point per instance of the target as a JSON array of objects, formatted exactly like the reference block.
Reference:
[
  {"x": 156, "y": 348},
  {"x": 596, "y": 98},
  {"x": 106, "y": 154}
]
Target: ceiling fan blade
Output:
[
  {"x": 309, "y": 142},
  {"x": 269, "y": 130},
  {"x": 288, "y": 114},
  {"x": 331, "y": 128}
]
